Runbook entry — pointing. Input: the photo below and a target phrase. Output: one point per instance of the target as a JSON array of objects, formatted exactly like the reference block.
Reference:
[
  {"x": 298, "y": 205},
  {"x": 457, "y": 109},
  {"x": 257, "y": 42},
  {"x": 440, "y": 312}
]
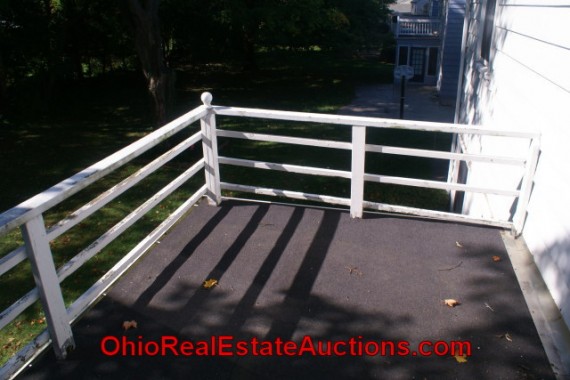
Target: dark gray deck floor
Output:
[{"x": 286, "y": 272}]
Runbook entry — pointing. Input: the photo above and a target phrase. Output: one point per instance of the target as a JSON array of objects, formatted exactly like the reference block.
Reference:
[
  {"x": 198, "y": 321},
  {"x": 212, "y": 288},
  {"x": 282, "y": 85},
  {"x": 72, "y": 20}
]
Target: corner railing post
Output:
[
  {"x": 210, "y": 148},
  {"x": 47, "y": 282},
  {"x": 526, "y": 187},
  {"x": 357, "y": 172}
]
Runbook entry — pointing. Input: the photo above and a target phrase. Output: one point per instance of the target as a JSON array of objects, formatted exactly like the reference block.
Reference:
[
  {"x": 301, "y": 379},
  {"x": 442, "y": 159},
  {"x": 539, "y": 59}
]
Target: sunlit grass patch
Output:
[{"x": 36, "y": 152}]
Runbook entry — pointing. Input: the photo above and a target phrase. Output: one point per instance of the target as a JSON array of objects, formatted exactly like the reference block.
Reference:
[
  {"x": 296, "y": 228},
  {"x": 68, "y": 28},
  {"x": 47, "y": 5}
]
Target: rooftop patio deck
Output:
[{"x": 288, "y": 272}]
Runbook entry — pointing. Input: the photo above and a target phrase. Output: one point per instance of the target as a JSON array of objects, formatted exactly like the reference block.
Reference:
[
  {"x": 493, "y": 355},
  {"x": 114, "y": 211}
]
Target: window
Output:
[
  {"x": 403, "y": 55},
  {"x": 435, "y": 8},
  {"x": 432, "y": 61},
  {"x": 488, "y": 25}
]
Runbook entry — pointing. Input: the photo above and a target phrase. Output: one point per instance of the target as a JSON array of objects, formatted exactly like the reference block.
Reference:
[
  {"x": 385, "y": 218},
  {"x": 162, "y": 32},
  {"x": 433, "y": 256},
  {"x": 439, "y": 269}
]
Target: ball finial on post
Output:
[{"x": 206, "y": 99}]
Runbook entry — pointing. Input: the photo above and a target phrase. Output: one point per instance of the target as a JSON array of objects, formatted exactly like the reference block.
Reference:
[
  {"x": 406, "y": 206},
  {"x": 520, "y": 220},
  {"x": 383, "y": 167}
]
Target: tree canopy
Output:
[{"x": 47, "y": 42}]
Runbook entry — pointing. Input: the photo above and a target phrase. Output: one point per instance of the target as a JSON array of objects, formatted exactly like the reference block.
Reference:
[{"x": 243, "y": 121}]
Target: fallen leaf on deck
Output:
[
  {"x": 496, "y": 258},
  {"x": 354, "y": 270},
  {"x": 210, "y": 283},
  {"x": 451, "y": 302},
  {"x": 461, "y": 358},
  {"x": 129, "y": 325},
  {"x": 507, "y": 336},
  {"x": 458, "y": 244}
]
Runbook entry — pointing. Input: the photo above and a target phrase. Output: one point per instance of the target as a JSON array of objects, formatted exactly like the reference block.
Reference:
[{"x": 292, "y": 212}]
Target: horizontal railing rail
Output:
[
  {"x": 28, "y": 216},
  {"x": 359, "y": 147},
  {"x": 373, "y": 122}
]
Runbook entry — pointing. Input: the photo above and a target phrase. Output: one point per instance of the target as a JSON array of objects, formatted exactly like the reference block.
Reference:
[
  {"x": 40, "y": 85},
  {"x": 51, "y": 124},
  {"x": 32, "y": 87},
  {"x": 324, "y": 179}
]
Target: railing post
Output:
[
  {"x": 526, "y": 187},
  {"x": 453, "y": 173},
  {"x": 210, "y": 148},
  {"x": 398, "y": 23},
  {"x": 47, "y": 282},
  {"x": 357, "y": 172}
]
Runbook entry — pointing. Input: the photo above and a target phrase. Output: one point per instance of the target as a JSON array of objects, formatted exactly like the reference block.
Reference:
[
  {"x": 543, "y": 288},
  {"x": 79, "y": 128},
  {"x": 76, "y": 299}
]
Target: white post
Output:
[
  {"x": 357, "y": 178},
  {"x": 453, "y": 172},
  {"x": 398, "y": 22},
  {"x": 526, "y": 187},
  {"x": 47, "y": 282},
  {"x": 210, "y": 148}
]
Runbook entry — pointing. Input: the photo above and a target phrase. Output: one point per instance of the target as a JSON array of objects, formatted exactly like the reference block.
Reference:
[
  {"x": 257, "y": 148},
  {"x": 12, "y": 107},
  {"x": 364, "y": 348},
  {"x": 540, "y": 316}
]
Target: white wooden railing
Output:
[
  {"x": 420, "y": 27},
  {"x": 359, "y": 147},
  {"x": 28, "y": 216}
]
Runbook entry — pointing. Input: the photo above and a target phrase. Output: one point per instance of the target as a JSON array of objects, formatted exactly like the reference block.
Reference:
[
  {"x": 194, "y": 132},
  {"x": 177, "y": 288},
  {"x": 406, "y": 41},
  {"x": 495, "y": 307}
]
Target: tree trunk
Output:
[
  {"x": 148, "y": 43},
  {"x": 249, "y": 30},
  {"x": 3, "y": 86},
  {"x": 249, "y": 52}
]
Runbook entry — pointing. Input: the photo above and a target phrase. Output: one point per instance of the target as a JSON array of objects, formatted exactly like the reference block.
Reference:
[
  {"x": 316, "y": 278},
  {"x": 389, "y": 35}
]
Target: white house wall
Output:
[{"x": 526, "y": 86}]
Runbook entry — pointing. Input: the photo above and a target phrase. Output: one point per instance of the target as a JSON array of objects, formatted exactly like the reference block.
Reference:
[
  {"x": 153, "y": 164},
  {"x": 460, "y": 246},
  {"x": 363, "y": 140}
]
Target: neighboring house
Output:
[
  {"x": 428, "y": 37},
  {"x": 515, "y": 75}
]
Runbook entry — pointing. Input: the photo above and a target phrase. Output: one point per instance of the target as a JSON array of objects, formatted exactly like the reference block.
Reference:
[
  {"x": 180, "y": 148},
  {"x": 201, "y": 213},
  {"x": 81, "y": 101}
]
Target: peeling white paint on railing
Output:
[
  {"x": 63, "y": 190},
  {"x": 19, "y": 254},
  {"x": 285, "y": 167},
  {"x": 29, "y": 214},
  {"x": 358, "y": 147},
  {"x": 372, "y": 122},
  {"x": 29, "y": 217}
]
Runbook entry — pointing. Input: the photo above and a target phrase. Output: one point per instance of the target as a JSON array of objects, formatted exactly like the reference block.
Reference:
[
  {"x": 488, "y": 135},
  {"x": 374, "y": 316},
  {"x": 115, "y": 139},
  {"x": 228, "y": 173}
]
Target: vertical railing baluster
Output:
[
  {"x": 210, "y": 148},
  {"x": 357, "y": 177},
  {"x": 526, "y": 187},
  {"x": 47, "y": 282}
]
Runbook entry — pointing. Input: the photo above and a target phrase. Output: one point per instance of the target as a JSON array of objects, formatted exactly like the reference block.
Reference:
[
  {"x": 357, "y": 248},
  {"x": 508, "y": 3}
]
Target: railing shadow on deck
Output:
[
  {"x": 29, "y": 215},
  {"x": 198, "y": 315}
]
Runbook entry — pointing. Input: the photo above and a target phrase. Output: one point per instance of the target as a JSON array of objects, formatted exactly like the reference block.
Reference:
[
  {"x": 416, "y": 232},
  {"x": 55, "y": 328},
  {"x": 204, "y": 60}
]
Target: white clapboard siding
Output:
[
  {"x": 546, "y": 25},
  {"x": 527, "y": 88}
]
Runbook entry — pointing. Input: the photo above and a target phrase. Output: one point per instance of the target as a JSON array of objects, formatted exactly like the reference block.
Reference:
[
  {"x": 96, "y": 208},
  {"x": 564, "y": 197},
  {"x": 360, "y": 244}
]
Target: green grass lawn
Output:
[{"x": 89, "y": 121}]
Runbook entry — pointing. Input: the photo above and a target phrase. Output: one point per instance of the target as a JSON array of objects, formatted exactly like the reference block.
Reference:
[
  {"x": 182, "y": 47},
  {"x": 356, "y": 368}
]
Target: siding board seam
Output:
[
  {"x": 534, "y": 38},
  {"x": 534, "y": 71}
]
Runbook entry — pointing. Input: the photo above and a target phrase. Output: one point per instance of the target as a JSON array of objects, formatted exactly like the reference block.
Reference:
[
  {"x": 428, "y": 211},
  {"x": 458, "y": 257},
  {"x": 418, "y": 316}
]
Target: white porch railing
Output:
[
  {"x": 29, "y": 215},
  {"x": 418, "y": 27}
]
